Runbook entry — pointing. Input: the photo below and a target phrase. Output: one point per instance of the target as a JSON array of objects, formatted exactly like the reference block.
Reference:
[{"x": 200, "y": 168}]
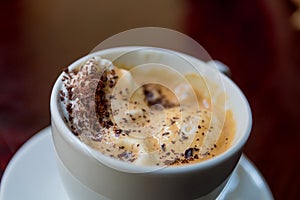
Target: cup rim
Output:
[{"x": 68, "y": 135}]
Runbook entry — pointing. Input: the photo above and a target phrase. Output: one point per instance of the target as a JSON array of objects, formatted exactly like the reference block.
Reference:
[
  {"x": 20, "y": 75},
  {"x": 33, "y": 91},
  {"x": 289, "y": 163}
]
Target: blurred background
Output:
[{"x": 258, "y": 39}]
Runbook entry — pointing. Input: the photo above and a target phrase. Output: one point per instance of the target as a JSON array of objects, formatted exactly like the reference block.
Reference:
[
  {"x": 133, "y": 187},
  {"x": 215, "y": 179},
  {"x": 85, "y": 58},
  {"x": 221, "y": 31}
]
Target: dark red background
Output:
[{"x": 253, "y": 37}]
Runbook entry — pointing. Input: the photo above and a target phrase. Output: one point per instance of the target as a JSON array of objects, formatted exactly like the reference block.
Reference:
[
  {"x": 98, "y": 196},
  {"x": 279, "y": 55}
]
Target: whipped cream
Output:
[{"x": 113, "y": 111}]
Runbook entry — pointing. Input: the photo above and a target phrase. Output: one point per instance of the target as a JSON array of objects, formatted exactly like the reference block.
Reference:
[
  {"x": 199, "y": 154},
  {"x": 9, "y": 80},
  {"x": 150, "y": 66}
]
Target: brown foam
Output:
[{"x": 119, "y": 119}]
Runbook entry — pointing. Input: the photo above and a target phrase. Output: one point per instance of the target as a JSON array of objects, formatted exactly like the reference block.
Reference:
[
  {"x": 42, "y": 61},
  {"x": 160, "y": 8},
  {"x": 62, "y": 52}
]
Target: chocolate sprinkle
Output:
[
  {"x": 163, "y": 147},
  {"x": 188, "y": 153}
]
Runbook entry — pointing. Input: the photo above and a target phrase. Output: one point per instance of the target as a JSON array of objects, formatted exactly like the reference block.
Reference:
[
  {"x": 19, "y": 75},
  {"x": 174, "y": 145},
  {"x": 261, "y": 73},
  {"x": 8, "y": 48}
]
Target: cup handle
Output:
[{"x": 221, "y": 67}]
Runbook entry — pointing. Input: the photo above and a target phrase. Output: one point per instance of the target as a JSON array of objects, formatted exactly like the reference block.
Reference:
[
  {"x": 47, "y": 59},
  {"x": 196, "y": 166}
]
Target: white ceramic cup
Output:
[{"x": 84, "y": 177}]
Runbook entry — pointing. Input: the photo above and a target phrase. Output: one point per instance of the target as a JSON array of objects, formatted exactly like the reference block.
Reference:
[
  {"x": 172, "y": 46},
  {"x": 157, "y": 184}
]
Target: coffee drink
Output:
[{"x": 147, "y": 115}]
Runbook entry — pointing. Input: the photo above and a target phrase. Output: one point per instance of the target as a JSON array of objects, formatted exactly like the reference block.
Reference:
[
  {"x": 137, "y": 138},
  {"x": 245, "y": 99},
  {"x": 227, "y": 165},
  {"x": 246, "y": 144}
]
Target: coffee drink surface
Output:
[{"x": 146, "y": 116}]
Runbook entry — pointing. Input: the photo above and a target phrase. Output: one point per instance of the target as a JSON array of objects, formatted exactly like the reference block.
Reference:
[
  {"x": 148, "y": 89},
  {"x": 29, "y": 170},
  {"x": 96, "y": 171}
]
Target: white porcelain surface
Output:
[{"x": 32, "y": 175}]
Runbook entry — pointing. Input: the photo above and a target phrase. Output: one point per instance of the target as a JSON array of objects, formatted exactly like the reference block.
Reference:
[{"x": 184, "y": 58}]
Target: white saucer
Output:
[{"x": 32, "y": 175}]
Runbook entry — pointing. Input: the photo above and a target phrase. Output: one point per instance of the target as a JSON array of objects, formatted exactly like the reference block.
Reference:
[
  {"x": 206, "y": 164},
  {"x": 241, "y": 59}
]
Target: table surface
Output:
[{"x": 260, "y": 47}]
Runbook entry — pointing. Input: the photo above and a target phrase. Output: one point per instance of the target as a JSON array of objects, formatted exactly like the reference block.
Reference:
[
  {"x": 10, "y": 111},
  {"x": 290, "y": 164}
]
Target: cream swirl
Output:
[{"x": 112, "y": 111}]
